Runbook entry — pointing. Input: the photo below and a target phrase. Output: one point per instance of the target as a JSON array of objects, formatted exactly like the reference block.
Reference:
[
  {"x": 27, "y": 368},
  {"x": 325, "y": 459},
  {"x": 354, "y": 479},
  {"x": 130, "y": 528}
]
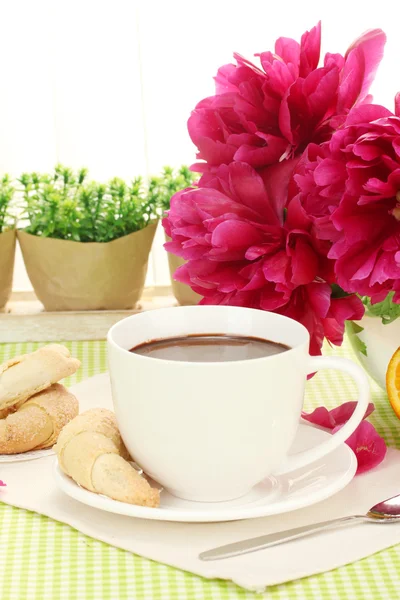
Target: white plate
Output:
[
  {"x": 274, "y": 495},
  {"x": 32, "y": 455}
]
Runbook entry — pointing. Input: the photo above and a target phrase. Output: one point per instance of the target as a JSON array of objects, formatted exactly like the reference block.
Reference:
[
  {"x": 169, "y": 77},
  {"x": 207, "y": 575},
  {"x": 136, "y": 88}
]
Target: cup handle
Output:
[{"x": 315, "y": 363}]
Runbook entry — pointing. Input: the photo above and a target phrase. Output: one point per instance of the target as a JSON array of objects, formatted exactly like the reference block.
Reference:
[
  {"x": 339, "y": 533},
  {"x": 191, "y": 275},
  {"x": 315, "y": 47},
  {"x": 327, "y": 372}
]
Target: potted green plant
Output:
[
  {"x": 161, "y": 189},
  {"x": 7, "y": 239},
  {"x": 86, "y": 245}
]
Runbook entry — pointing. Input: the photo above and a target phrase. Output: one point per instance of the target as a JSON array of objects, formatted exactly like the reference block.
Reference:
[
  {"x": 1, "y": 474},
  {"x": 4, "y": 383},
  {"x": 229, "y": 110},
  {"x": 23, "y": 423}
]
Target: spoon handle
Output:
[{"x": 273, "y": 539}]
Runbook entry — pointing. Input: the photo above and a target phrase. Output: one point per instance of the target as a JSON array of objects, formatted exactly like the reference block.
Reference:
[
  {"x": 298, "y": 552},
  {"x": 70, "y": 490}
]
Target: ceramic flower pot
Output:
[
  {"x": 183, "y": 293},
  {"x": 70, "y": 275},
  {"x": 374, "y": 345},
  {"x": 7, "y": 254}
]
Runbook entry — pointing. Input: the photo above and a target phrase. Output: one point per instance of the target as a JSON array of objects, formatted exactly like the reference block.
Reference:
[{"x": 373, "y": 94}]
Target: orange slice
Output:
[{"x": 393, "y": 382}]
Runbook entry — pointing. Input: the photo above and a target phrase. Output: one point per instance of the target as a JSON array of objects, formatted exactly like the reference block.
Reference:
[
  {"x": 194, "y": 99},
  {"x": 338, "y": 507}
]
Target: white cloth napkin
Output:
[{"x": 31, "y": 485}]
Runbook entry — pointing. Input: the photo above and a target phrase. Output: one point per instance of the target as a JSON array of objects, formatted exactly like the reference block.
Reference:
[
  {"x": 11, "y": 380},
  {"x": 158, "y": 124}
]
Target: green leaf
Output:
[
  {"x": 7, "y": 192},
  {"x": 356, "y": 327},
  {"x": 337, "y": 291},
  {"x": 387, "y": 310},
  {"x": 161, "y": 189},
  {"x": 353, "y": 329}
]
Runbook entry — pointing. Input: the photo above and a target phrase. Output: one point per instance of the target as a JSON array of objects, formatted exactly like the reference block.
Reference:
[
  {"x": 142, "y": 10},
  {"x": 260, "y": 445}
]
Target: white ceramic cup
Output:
[{"x": 210, "y": 431}]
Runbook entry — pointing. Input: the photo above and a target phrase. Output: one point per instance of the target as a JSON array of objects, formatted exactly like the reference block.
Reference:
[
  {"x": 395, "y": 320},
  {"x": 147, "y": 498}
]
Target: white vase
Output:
[{"x": 381, "y": 341}]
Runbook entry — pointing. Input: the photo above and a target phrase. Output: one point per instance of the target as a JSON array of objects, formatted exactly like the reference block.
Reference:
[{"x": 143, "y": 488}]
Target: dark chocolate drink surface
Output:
[{"x": 209, "y": 348}]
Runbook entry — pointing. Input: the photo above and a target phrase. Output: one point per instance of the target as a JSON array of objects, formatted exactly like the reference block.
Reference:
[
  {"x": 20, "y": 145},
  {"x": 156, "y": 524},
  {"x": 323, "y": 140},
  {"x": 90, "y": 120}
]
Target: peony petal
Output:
[
  {"x": 333, "y": 331},
  {"x": 295, "y": 309},
  {"x": 367, "y": 152},
  {"x": 2, "y": 484},
  {"x": 275, "y": 266},
  {"x": 366, "y": 113},
  {"x": 211, "y": 203},
  {"x": 397, "y": 104},
  {"x": 208, "y": 132},
  {"x": 334, "y": 59},
  {"x": 319, "y": 296},
  {"x": 367, "y": 445},
  {"x": 304, "y": 260},
  {"x": 337, "y": 417},
  {"x": 167, "y": 226},
  {"x": 255, "y": 277},
  {"x": 342, "y": 413},
  {"x": 255, "y": 252},
  {"x": 296, "y": 216},
  {"x": 250, "y": 190},
  {"x": 310, "y": 50},
  {"x": 319, "y": 88},
  {"x": 266, "y": 155},
  {"x": 385, "y": 268},
  {"x": 348, "y": 308},
  {"x": 280, "y": 75},
  {"x": 223, "y": 82},
  {"x": 232, "y": 235},
  {"x": 285, "y": 120},
  {"x": 214, "y": 152},
  {"x": 288, "y": 50},
  {"x": 270, "y": 299},
  {"x": 371, "y": 45},
  {"x": 276, "y": 180},
  {"x": 352, "y": 80},
  {"x": 329, "y": 171},
  {"x": 320, "y": 416}
]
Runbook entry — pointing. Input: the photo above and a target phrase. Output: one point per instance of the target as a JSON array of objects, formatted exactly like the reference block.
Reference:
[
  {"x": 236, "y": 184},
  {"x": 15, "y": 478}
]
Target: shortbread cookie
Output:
[
  {"x": 38, "y": 422},
  {"x": 26, "y": 375},
  {"x": 90, "y": 450}
]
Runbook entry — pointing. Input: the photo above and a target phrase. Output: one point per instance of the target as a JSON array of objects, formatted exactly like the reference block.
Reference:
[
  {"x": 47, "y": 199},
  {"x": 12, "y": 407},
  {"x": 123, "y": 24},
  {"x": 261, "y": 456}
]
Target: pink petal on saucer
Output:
[
  {"x": 342, "y": 413},
  {"x": 367, "y": 445},
  {"x": 329, "y": 419},
  {"x": 320, "y": 416}
]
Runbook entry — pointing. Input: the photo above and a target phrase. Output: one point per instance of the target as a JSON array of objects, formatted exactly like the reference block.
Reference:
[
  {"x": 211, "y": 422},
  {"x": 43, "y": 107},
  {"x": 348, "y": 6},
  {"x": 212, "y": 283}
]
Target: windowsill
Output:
[{"x": 25, "y": 319}]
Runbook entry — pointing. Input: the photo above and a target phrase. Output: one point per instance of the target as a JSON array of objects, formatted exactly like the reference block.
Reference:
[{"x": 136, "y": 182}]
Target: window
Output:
[{"x": 109, "y": 85}]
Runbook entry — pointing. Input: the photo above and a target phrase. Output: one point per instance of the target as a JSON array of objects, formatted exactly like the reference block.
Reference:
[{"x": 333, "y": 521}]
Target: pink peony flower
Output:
[
  {"x": 367, "y": 445},
  {"x": 2, "y": 484},
  {"x": 243, "y": 249},
  {"x": 350, "y": 190},
  {"x": 264, "y": 115}
]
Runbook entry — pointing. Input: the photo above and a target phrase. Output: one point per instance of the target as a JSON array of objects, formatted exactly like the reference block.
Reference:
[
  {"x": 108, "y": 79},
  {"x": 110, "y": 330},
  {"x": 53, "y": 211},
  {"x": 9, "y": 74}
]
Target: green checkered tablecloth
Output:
[{"x": 45, "y": 560}]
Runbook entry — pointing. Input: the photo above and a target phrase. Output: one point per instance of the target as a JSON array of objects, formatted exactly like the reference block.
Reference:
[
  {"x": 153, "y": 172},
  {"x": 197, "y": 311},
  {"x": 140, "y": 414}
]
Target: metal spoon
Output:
[{"x": 387, "y": 511}]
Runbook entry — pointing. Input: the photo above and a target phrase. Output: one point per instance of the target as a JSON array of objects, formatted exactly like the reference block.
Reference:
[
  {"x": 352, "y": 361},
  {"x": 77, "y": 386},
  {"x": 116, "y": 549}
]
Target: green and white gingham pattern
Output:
[{"x": 45, "y": 560}]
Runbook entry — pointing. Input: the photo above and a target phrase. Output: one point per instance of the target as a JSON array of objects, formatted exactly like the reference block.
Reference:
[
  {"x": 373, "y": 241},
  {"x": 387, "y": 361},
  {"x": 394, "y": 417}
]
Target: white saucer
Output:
[
  {"x": 32, "y": 455},
  {"x": 274, "y": 495}
]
